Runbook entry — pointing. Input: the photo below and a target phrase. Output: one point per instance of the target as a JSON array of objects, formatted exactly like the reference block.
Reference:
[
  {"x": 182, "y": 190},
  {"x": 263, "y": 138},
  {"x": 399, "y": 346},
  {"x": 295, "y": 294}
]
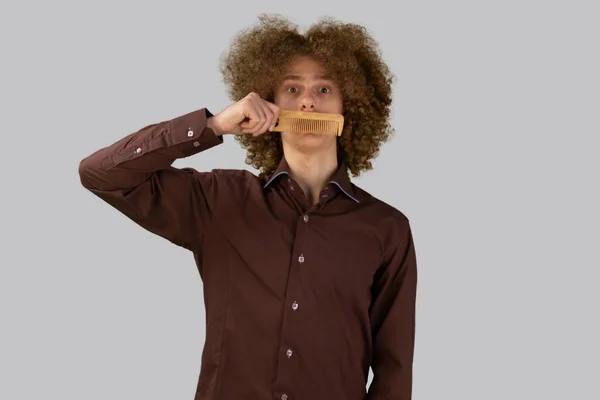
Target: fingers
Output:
[
  {"x": 275, "y": 114},
  {"x": 255, "y": 116},
  {"x": 263, "y": 124},
  {"x": 262, "y": 115},
  {"x": 271, "y": 115}
]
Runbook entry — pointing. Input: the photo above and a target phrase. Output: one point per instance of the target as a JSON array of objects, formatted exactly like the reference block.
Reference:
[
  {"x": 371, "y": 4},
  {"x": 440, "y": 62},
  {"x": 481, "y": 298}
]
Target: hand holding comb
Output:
[{"x": 309, "y": 122}]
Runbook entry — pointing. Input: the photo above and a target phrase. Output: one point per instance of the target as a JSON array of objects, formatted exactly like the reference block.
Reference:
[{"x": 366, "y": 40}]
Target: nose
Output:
[{"x": 307, "y": 103}]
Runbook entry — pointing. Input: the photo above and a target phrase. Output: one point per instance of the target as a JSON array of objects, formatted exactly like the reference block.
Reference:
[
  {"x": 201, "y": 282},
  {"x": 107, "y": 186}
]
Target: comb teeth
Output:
[
  {"x": 319, "y": 127},
  {"x": 309, "y": 122}
]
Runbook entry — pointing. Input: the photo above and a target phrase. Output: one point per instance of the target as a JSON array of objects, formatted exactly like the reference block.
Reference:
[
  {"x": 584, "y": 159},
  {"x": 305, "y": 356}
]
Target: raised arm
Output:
[{"x": 135, "y": 175}]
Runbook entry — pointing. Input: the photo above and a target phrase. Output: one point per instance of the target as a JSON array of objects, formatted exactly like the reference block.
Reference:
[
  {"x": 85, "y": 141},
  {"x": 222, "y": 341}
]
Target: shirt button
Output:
[
  {"x": 294, "y": 306},
  {"x": 196, "y": 144},
  {"x": 284, "y": 396},
  {"x": 190, "y": 133},
  {"x": 289, "y": 353},
  {"x": 305, "y": 218},
  {"x": 301, "y": 258},
  {"x": 138, "y": 150}
]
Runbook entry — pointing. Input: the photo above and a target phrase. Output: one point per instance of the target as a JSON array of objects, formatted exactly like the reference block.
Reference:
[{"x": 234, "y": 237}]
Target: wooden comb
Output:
[{"x": 309, "y": 122}]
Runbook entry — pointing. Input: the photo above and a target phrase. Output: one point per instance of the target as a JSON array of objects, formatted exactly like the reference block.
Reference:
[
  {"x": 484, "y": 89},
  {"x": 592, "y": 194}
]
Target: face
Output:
[{"x": 306, "y": 87}]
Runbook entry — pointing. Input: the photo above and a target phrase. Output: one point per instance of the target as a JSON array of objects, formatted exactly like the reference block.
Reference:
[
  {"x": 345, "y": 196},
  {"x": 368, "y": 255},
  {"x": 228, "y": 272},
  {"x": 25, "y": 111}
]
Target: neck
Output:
[{"x": 312, "y": 171}]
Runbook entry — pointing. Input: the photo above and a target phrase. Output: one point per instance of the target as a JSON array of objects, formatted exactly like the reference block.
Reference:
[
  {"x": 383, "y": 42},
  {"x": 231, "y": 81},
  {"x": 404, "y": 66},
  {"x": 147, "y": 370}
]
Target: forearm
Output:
[{"x": 133, "y": 159}]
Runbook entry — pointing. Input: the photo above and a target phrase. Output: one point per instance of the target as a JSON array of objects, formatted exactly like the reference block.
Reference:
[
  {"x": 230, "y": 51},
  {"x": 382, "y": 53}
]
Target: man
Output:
[{"x": 308, "y": 279}]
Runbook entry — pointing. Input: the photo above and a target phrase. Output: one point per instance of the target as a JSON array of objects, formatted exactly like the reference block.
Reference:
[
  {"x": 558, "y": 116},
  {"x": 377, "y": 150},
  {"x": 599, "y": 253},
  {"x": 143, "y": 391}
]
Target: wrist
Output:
[{"x": 211, "y": 123}]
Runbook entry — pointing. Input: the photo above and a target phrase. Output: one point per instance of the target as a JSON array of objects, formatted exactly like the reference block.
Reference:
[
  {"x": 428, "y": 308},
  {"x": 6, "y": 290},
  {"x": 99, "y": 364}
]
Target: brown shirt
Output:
[{"x": 300, "y": 299}]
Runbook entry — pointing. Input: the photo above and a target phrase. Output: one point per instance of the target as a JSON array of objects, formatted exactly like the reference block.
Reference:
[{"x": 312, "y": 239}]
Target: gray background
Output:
[{"x": 495, "y": 162}]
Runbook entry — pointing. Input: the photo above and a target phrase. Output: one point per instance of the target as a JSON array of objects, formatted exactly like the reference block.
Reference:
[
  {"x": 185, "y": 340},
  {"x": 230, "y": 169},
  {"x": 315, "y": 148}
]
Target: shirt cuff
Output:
[{"x": 190, "y": 133}]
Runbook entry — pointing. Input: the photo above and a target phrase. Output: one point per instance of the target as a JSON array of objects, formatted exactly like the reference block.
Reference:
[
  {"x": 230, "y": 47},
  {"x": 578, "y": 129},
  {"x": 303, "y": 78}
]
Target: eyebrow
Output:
[{"x": 299, "y": 78}]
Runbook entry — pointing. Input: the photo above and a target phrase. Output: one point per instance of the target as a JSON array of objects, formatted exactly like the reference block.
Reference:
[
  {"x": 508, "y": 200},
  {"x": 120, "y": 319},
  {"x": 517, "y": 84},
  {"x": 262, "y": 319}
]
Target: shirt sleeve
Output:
[
  {"x": 393, "y": 320},
  {"x": 135, "y": 175}
]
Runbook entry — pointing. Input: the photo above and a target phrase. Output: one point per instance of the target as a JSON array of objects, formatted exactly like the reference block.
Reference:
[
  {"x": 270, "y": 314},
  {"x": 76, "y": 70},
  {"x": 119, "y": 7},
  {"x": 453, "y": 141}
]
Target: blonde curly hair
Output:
[{"x": 260, "y": 54}]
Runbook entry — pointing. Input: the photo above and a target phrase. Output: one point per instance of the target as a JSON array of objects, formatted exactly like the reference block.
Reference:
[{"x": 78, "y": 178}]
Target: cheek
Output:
[
  {"x": 336, "y": 105},
  {"x": 283, "y": 102}
]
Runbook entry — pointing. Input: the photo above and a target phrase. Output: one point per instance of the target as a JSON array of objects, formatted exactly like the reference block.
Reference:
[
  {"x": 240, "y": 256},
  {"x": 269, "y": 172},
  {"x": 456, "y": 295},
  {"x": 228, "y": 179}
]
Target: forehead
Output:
[{"x": 305, "y": 68}]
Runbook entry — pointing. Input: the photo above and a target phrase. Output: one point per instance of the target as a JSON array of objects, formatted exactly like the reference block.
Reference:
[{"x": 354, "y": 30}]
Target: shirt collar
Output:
[{"x": 340, "y": 178}]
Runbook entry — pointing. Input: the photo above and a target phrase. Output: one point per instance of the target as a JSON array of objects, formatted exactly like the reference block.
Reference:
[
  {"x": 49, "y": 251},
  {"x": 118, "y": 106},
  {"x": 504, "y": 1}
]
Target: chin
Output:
[{"x": 309, "y": 139}]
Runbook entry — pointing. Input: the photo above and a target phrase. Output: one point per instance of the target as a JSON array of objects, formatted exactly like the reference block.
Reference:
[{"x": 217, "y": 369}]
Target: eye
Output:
[
  {"x": 327, "y": 90},
  {"x": 292, "y": 89}
]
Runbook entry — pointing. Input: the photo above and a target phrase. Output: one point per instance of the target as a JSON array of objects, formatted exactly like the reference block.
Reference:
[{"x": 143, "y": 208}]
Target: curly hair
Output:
[{"x": 260, "y": 54}]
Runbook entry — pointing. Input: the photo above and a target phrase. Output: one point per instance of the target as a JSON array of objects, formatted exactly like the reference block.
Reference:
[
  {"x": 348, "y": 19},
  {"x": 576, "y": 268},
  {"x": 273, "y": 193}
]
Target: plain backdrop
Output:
[{"x": 494, "y": 161}]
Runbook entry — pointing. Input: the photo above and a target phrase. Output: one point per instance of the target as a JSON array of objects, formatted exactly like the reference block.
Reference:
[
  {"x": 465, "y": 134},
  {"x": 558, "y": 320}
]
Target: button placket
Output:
[{"x": 289, "y": 352}]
